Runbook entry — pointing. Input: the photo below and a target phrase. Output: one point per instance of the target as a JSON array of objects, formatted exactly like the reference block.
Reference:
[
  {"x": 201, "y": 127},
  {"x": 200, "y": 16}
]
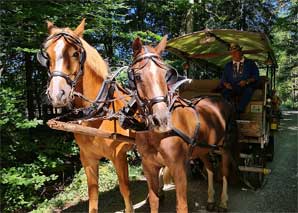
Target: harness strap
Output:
[{"x": 190, "y": 140}]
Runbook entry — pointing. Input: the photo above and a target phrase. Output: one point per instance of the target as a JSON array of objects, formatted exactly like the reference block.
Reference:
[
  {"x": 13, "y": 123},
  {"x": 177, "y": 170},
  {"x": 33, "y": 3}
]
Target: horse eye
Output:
[
  {"x": 138, "y": 78},
  {"x": 75, "y": 54}
]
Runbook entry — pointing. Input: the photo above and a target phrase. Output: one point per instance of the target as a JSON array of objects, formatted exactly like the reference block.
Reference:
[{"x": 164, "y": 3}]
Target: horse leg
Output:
[
  {"x": 151, "y": 172},
  {"x": 121, "y": 166},
  {"x": 211, "y": 192},
  {"x": 161, "y": 182},
  {"x": 180, "y": 180},
  {"x": 91, "y": 169},
  {"x": 223, "y": 206}
]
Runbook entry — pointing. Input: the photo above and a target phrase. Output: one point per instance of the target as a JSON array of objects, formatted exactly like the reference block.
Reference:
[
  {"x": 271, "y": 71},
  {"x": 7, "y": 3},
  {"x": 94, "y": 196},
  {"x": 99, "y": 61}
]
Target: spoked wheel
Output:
[
  {"x": 270, "y": 149},
  {"x": 258, "y": 160}
]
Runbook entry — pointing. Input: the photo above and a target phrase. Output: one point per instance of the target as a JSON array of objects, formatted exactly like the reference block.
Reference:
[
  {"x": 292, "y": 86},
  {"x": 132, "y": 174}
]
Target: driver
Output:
[{"x": 240, "y": 78}]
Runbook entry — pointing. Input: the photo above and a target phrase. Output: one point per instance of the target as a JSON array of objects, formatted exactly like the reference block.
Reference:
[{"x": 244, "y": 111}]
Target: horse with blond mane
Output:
[
  {"x": 179, "y": 129},
  {"x": 74, "y": 66}
]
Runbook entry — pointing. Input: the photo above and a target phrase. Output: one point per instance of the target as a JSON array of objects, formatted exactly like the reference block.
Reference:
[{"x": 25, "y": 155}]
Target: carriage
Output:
[{"x": 205, "y": 53}]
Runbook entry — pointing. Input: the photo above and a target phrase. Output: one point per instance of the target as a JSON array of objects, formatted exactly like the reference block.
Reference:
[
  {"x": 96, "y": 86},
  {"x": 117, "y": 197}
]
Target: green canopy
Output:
[{"x": 212, "y": 46}]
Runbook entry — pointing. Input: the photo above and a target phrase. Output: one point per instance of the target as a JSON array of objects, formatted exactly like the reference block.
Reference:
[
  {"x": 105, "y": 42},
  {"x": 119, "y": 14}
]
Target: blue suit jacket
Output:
[{"x": 250, "y": 70}]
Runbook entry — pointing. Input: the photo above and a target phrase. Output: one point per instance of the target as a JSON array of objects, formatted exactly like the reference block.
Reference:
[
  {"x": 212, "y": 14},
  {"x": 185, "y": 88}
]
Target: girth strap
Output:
[
  {"x": 193, "y": 141},
  {"x": 190, "y": 140}
]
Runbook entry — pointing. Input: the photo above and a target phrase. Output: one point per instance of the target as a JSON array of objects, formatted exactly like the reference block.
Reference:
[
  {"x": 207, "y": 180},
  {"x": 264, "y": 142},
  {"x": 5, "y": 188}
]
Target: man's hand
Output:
[
  {"x": 227, "y": 85},
  {"x": 243, "y": 83}
]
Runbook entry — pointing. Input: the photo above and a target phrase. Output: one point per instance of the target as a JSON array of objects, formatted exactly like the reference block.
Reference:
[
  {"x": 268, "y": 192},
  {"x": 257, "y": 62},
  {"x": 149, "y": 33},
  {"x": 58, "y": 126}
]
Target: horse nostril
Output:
[
  {"x": 60, "y": 94},
  {"x": 50, "y": 98}
]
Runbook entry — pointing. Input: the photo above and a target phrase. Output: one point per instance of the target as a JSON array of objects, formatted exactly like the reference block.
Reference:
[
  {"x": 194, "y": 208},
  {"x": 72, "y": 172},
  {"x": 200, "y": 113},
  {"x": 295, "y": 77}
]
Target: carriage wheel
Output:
[
  {"x": 270, "y": 149},
  {"x": 255, "y": 179}
]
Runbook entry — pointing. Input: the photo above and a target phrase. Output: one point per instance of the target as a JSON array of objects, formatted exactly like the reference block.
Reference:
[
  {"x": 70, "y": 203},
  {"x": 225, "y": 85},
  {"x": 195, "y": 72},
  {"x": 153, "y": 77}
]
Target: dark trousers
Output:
[{"x": 245, "y": 94}]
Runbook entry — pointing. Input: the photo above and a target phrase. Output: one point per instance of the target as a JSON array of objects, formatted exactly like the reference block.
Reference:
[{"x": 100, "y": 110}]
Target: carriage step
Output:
[{"x": 265, "y": 171}]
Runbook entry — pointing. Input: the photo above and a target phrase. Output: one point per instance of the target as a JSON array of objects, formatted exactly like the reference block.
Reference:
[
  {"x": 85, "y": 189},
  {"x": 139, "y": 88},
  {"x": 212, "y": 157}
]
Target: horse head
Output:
[
  {"x": 148, "y": 76},
  {"x": 64, "y": 55}
]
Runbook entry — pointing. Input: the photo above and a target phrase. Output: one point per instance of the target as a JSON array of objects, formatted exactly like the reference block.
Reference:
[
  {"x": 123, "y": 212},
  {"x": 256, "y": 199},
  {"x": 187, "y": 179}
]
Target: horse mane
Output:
[{"x": 93, "y": 59}]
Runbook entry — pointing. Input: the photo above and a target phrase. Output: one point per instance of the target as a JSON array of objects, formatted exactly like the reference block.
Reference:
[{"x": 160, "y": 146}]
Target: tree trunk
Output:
[
  {"x": 187, "y": 24},
  {"x": 29, "y": 84}
]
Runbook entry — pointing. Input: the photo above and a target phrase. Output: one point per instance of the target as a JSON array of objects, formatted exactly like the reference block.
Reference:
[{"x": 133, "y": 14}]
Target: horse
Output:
[
  {"x": 74, "y": 66},
  {"x": 179, "y": 130}
]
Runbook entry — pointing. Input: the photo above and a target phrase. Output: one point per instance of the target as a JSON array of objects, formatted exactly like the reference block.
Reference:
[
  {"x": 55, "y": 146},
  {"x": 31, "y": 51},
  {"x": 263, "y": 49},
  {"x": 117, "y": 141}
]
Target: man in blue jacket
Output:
[{"x": 240, "y": 78}]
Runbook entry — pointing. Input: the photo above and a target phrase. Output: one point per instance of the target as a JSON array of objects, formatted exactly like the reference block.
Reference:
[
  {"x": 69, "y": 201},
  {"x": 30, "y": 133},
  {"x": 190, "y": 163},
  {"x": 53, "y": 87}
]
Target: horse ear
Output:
[
  {"x": 137, "y": 45},
  {"x": 80, "y": 29},
  {"x": 162, "y": 45},
  {"x": 51, "y": 26}
]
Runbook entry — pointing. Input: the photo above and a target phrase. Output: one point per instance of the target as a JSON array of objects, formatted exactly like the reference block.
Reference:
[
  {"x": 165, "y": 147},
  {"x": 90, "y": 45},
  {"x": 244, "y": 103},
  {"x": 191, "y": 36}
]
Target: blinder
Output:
[
  {"x": 131, "y": 80},
  {"x": 42, "y": 58},
  {"x": 171, "y": 76}
]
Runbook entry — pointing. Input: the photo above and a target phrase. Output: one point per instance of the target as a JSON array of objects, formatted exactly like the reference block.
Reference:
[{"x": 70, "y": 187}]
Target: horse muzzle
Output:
[
  {"x": 59, "y": 95},
  {"x": 160, "y": 122}
]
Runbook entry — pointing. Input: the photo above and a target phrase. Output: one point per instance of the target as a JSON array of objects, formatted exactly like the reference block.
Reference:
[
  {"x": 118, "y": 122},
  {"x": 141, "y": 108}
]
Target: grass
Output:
[{"x": 77, "y": 190}]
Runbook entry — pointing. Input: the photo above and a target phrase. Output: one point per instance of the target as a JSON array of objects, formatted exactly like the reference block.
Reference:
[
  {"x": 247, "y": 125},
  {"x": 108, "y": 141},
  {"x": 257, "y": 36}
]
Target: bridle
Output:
[
  {"x": 170, "y": 98},
  {"x": 44, "y": 59},
  {"x": 146, "y": 104}
]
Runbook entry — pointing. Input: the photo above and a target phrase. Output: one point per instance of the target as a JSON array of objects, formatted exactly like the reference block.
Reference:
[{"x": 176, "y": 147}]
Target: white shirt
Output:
[{"x": 238, "y": 63}]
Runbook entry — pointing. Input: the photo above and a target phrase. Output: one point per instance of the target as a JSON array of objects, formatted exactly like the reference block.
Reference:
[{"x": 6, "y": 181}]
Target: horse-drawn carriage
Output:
[
  {"x": 172, "y": 127},
  {"x": 207, "y": 52}
]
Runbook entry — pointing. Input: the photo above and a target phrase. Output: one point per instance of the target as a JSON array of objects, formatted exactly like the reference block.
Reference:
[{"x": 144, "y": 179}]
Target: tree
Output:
[{"x": 285, "y": 44}]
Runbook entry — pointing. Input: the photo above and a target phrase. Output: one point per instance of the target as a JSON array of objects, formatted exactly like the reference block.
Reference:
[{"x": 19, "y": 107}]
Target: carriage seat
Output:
[
  {"x": 210, "y": 88},
  {"x": 200, "y": 88},
  {"x": 261, "y": 90}
]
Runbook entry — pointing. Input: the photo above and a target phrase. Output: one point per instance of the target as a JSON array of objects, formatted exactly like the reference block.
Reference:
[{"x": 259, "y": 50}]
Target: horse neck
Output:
[
  {"x": 95, "y": 72},
  {"x": 90, "y": 86}
]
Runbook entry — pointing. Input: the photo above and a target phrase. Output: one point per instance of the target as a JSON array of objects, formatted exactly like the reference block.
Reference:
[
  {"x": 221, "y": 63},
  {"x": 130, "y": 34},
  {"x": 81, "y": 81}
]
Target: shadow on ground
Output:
[{"x": 111, "y": 201}]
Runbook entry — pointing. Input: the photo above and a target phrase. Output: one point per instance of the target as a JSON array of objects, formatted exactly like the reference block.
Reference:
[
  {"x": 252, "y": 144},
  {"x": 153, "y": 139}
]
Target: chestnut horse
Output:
[
  {"x": 73, "y": 65},
  {"x": 203, "y": 125}
]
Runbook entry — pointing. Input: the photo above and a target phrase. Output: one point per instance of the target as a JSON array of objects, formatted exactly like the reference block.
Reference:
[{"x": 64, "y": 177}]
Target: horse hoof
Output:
[
  {"x": 221, "y": 209},
  {"x": 210, "y": 207}
]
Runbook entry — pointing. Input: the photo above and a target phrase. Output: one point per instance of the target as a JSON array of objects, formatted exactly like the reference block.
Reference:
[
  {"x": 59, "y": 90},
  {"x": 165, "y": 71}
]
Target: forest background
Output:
[{"x": 31, "y": 163}]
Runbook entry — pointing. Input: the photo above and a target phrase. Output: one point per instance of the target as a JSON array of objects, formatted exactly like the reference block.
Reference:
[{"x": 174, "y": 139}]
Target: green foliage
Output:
[
  {"x": 14, "y": 126},
  {"x": 19, "y": 185},
  {"x": 10, "y": 103},
  {"x": 26, "y": 169},
  {"x": 25, "y": 185},
  {"x": 77, "y": 190},
  {"x": 285, "y": 44}
]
